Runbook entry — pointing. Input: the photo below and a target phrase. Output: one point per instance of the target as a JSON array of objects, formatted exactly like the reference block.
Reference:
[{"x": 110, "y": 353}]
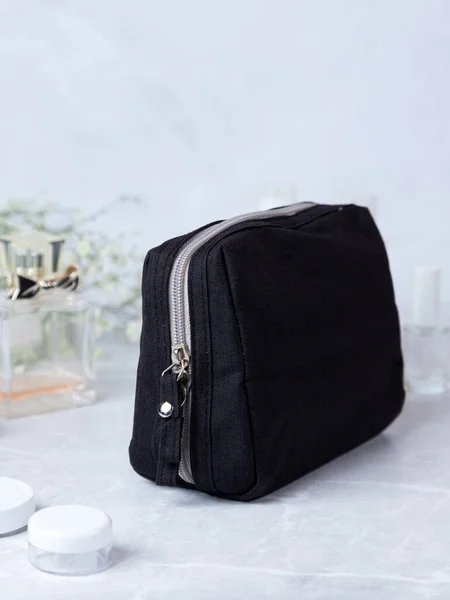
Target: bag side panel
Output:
[{"x": 321, "y": 340}]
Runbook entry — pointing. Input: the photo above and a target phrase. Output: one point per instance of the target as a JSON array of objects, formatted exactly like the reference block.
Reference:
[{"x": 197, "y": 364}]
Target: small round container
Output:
[
  {"x": 70, "y": 540},
  {"x": 17, "y": 504}
]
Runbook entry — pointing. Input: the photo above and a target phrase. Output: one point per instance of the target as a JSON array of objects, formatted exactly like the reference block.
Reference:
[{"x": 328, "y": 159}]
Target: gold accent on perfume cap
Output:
[{"x": 24, "y": 287}]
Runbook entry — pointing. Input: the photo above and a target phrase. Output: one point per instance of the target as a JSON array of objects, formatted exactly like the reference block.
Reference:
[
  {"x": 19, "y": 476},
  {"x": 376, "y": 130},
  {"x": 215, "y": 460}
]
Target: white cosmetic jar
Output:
[
  {"x": 70, "y": 540},
  {"x": 17, "y": 504}
]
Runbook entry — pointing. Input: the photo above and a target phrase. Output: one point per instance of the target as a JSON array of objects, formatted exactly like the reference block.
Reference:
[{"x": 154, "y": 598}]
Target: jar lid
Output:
[
  {"x": 70, "y": 529},
  {"x": 17, "y": 504}
]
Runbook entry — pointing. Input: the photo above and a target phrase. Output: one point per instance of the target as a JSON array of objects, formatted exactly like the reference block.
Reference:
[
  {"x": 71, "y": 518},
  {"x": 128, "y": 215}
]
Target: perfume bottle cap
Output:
[
  {"x": 17, "y": 505},
  {"x": 34, "y": 254},
  {"x": 427, "y": 296},
  {"x": 70, "y": 529}
]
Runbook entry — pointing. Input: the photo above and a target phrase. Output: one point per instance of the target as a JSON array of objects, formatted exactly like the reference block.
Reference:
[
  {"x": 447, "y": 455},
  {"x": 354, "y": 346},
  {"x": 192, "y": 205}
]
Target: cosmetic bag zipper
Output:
[{"x": 180, "y": 326}]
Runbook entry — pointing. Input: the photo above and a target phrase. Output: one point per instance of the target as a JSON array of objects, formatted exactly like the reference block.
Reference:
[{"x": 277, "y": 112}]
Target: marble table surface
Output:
[{"x": 374, "y": 524}]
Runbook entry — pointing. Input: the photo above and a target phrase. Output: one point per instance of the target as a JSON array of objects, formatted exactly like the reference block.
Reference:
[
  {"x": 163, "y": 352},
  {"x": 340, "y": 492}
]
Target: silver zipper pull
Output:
[
  {"x": 180, "y": 361},
  {"x": 181, "y": 358},
  {"x": 179, "y": 368},
  {"x": 185, "y": 387}
]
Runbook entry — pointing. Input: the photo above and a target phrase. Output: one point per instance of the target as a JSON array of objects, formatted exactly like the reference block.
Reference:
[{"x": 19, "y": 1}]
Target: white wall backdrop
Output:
[{"x": 193, "y": 104}]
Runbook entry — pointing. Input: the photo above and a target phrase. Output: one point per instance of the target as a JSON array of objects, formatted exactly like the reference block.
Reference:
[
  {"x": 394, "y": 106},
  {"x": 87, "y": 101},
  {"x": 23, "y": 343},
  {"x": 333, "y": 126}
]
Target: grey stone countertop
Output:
[{"x": 374, "y": 524}]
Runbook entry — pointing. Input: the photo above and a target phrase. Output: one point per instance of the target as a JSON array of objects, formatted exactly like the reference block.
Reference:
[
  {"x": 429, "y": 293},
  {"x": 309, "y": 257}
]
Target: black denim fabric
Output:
[{"x": 296, "y": 354}]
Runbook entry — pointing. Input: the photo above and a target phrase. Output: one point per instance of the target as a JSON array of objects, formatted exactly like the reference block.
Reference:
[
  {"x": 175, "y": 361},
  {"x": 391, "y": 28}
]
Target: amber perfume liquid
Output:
[{"x": 47, "y": 354}]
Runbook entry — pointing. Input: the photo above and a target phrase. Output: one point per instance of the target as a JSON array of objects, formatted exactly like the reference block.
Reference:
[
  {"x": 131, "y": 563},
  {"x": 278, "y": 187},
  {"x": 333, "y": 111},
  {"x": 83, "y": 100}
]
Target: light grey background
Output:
[{"x": 196, "y": 104}]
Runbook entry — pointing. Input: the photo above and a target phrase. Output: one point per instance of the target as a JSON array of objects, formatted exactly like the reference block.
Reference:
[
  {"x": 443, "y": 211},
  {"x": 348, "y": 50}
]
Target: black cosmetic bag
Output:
[{"x": 270, "y": 346}]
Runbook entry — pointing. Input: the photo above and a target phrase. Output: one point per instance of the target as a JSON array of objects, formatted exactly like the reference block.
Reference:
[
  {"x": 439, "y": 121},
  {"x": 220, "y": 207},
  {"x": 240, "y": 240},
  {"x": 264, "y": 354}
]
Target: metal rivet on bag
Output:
[{"x": 165, "y": 410}]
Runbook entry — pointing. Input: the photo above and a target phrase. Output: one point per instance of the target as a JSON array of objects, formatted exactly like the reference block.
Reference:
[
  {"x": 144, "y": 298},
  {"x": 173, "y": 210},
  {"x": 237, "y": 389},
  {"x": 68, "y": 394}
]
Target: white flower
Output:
[
  {"x": 106, "y": 251},
  {"x": 83, "y": 248},
  {"x": 109, "y": 290},
  {"x": 133, "y": 331}
]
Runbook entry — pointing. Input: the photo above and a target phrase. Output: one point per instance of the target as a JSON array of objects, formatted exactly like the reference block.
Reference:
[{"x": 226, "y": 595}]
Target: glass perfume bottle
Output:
[
  {"x": 426, "y": 342},
  {"x": 46, "y": 331}
]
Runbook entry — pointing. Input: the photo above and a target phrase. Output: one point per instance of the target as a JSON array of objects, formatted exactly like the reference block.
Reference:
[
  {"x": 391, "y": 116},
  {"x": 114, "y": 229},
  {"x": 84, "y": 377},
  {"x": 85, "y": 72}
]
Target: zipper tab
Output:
[
  {"x": 180, "y": 369},
  {"x": 175, "y": 394},
  {"x": 169, "y": 432},
  {"x": 180, "y": 360}
]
